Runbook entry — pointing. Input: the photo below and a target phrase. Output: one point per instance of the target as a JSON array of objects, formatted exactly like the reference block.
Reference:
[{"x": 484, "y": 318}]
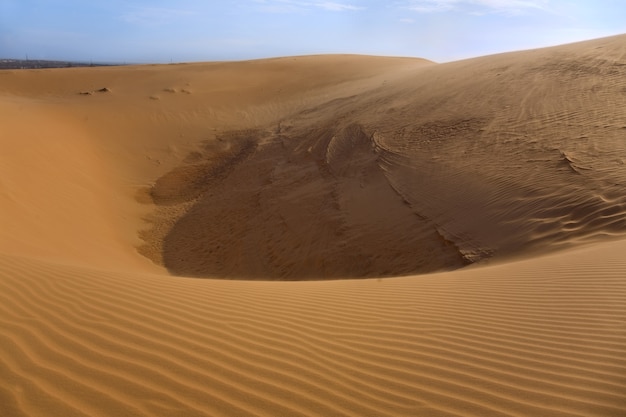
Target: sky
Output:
[{"x": 161, "y": 31}]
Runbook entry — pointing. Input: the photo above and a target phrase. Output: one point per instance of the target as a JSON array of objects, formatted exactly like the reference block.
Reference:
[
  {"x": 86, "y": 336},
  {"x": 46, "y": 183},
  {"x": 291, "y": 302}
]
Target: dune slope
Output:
[
  {"x": 440, "y": 167},
  {"x": 307, "y": 168}
]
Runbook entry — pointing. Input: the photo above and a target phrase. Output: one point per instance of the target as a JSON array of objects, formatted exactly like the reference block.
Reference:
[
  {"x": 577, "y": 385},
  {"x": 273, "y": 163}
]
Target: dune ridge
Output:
[{"x": 309, "y": 168}]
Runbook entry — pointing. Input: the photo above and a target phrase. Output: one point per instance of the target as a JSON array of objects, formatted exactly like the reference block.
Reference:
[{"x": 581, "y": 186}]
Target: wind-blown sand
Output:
[{"x": 502, "y": 177}]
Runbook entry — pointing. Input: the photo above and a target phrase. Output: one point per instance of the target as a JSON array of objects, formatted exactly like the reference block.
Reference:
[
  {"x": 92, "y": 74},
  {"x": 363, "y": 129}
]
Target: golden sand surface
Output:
[{"x": 333, "y": 235}]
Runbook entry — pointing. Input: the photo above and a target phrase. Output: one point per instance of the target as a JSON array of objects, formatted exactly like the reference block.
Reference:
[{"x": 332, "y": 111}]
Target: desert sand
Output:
[{"x": 316, "y": 236}]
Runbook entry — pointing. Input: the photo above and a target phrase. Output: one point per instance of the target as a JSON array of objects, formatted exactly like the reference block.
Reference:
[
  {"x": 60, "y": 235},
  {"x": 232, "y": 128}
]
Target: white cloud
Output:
[
  {"x": 288, "y": 6},
  {"x": 337, "y": 7},
  {"x": 431, "y": 6},
  {"x": 154, "y": 16},
  {"x": 478, "y": 6}
]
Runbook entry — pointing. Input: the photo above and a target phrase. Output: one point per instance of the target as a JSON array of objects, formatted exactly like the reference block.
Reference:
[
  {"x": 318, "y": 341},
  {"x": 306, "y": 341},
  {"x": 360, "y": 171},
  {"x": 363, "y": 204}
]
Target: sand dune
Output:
[
  {"x": 428, "y": 171},
  {"x": 318, "y": 169}
]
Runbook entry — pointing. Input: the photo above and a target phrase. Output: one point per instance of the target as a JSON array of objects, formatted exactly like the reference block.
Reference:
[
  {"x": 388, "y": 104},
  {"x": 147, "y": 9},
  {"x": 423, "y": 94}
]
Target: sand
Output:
[{"x": 321, "y": 235}]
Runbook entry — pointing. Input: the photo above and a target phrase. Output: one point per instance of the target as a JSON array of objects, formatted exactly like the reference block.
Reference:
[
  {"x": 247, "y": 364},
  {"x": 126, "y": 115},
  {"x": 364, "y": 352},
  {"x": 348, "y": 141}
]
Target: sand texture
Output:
[{"x": 316, "y": 236}]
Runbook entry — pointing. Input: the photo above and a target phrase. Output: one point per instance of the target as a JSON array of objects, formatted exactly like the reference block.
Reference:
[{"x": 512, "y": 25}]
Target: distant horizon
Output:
[
  {"x": 147, "y": 32},
  {"x": 86, "y": 62}
]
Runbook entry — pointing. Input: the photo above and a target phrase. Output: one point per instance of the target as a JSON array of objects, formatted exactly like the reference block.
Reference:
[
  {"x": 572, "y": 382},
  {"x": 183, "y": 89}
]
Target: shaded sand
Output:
[
  {"x": 433, "y": 169},
  {"x": 314, "y": 168}
]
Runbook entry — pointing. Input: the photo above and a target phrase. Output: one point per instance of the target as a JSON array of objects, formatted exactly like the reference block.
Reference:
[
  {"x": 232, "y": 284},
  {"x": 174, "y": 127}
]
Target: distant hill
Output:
[{"x": 39, "y": 63}]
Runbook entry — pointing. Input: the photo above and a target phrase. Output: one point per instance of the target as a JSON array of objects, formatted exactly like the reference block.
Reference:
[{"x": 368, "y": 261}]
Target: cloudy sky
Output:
[{"x": 201, "y": 30}]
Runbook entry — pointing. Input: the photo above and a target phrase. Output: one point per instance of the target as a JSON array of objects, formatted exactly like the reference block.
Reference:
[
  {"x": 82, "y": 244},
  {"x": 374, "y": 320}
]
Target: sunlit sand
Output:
[{"x": 460, "y": 229}]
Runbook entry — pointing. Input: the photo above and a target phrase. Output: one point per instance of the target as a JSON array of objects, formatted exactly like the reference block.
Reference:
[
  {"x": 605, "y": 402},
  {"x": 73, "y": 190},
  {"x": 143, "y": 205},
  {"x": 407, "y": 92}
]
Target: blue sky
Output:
[{"x": 192, "y": 30}]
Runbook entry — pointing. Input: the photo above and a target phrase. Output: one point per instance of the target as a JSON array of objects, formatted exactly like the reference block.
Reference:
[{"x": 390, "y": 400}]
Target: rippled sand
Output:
[{"x": 460, "y": 228}]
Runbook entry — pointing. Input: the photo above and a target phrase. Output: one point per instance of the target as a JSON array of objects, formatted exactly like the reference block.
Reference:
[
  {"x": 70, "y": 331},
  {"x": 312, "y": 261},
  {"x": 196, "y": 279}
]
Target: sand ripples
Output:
[{"x": 84, "y": 342}]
